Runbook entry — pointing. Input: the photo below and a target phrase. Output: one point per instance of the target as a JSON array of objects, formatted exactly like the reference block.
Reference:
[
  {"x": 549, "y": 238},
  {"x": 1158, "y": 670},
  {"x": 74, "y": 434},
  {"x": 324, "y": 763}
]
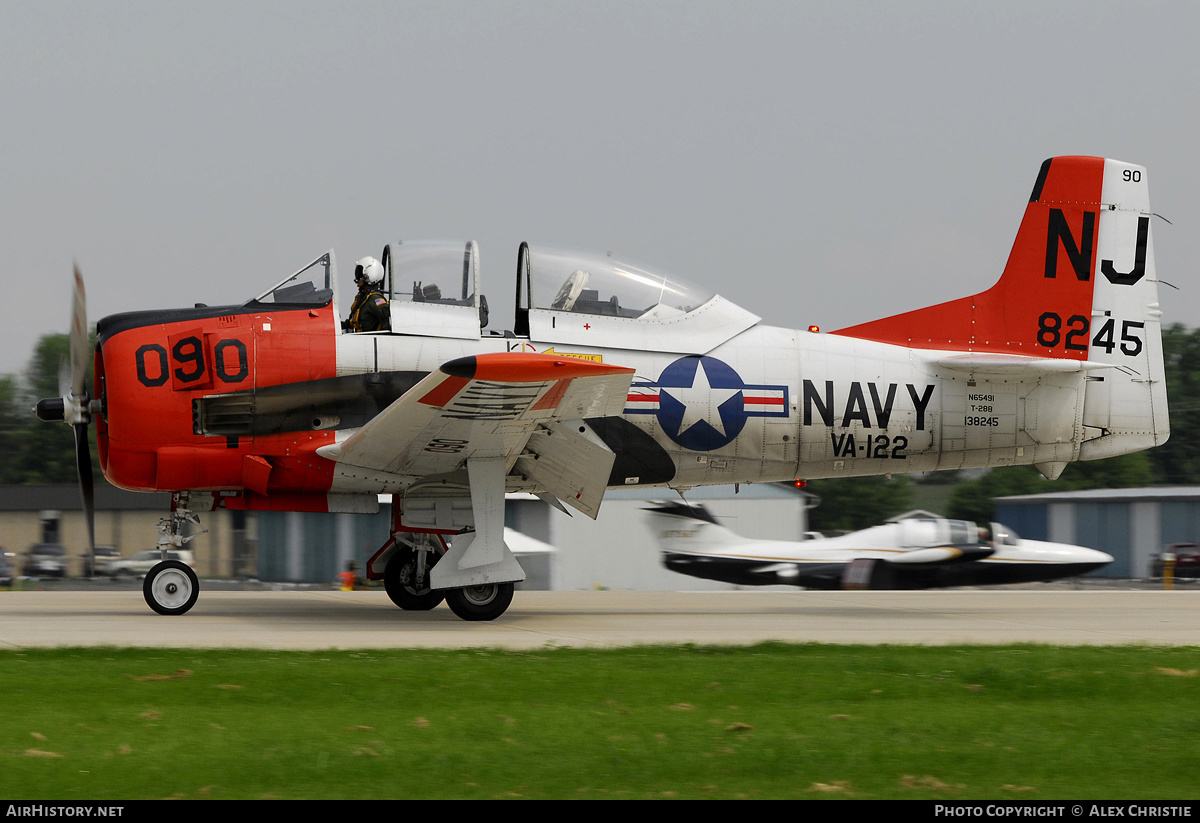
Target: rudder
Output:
[{"x": 1126, "y": 405}]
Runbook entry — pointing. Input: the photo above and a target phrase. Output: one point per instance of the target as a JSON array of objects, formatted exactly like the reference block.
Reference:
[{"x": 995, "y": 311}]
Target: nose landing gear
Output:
[{"x": 171, "y": 587}]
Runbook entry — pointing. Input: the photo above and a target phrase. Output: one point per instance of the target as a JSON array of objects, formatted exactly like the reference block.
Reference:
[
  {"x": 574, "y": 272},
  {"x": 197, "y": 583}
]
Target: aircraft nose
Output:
[{"x": 1092, "y": 559}]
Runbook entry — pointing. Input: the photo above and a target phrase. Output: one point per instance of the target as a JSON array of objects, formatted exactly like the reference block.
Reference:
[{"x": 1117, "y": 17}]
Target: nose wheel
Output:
[{"x": 171, "y": 587}]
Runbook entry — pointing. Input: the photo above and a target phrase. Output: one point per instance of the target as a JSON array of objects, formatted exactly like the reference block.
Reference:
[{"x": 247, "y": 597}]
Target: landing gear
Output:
[
  {"x": 474, "y": 573},
  {"x": 171, "y": 587},
  {"x": 406, "y": 579},
  {"x": 485, "y": 602}
]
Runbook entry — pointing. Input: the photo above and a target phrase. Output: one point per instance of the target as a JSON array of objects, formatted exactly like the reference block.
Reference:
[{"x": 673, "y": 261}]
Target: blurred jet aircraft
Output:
[{"x": 908, "y": 554}]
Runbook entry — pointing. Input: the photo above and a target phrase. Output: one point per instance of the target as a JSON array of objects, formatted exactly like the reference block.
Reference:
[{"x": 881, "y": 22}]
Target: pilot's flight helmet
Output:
[{"x": 368, "y": 268}]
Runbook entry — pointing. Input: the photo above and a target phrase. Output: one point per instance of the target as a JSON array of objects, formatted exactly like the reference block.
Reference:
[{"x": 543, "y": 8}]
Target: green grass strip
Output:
[{"x": 766, "y": 721}]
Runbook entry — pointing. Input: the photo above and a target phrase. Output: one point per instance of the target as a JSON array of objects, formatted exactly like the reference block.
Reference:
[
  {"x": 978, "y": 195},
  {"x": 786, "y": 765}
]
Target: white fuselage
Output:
[{"x": 774, "y": 404}]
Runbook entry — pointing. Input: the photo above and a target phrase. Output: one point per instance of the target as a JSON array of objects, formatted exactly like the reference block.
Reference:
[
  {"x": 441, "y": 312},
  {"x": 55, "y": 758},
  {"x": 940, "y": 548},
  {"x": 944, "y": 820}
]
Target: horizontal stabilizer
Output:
[{"x": 982, "y": 363}]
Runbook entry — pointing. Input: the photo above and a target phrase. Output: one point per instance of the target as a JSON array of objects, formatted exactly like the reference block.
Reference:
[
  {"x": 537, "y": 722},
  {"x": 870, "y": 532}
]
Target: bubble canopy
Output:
[
  {"x": 590, "y": 283},
  {"x": 587, "y": 298}
]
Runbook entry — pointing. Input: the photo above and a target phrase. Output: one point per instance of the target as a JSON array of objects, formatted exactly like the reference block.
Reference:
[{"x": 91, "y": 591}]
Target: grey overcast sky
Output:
[{"x": 814, "y": 162}]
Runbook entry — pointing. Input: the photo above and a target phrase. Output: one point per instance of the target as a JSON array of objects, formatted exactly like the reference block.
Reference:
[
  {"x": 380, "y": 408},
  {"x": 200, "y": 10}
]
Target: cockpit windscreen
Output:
[{"x": 311, "y": 286}]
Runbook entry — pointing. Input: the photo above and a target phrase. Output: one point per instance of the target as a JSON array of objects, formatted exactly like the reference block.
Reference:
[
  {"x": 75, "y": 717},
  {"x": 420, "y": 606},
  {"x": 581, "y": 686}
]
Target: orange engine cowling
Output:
[{"x": 154, "y": 371}]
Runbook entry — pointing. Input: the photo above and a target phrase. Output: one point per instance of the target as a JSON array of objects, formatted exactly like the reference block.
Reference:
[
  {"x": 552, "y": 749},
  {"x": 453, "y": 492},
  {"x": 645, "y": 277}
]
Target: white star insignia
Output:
[{"x": 701, "y": 401}]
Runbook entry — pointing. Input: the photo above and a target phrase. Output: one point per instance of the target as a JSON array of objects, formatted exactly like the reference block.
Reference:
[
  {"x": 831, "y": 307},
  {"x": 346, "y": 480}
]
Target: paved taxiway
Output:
[{"x": 330, "y": 619}]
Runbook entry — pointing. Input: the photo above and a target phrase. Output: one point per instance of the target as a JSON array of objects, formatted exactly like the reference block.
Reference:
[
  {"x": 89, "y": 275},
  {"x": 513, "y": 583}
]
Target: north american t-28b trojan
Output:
[{"x": 613, "y": 374}]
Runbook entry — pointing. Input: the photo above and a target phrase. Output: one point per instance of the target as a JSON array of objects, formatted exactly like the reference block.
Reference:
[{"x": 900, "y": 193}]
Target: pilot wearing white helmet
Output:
[{"x": 370, "y": 310}]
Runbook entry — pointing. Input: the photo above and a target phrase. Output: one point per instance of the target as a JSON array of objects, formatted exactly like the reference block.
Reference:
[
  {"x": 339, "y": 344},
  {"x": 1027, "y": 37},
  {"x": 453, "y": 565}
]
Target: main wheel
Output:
[
  {"x": 399, "y": 580},
  {"x": 486, "y": 602},
  {"x": 171, "y": 587}
]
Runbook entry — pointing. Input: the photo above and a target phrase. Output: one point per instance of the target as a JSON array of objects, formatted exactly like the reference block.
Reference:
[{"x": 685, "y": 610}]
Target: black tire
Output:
[
  {"x": 486, "y": 602},
  {"x": 397, "y": 581},
  {"x": 171, "y": 587}
]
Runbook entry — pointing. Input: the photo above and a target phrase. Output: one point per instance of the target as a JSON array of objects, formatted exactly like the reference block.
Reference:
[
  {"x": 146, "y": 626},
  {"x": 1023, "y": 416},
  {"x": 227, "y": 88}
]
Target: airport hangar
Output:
[
  {"x": 564, "y": 552},
  {"x": 617, "y": 551}
]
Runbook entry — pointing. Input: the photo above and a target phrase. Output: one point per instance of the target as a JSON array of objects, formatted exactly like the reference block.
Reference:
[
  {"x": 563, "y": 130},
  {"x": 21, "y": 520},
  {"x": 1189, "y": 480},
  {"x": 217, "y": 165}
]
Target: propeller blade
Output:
[
  {"x": 64, "y": 377},
  {"x": 79, "y": 338},
  {"x": 83, "y": 463}
]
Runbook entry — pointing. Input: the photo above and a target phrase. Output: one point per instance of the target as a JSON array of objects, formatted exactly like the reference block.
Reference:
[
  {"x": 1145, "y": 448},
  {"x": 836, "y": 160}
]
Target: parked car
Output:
[
  {"x": 1187, "y": 560},
  {"x": 45, "y": 560},
  {"x": 136, "y": 565},
  {"x": 105, "y": 555},
  {"x": 7, "y": 572}
]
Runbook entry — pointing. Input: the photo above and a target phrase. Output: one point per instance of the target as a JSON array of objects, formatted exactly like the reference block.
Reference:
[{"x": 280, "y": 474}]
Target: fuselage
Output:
[{"x": 770, "y": 404}]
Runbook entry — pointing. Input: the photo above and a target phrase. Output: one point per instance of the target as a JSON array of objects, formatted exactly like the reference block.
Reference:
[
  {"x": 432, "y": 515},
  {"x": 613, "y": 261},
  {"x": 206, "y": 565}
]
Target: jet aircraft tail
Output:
[
  {"x": 681, "y": 527},
  {"x": 1080, "y": 284}
]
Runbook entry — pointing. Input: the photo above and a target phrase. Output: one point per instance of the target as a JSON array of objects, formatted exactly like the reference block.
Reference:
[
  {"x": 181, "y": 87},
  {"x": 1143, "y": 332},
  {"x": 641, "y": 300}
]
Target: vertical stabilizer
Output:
[
  {"x": 1079, "y": 284},
  {"x": 690, "y": 529}
]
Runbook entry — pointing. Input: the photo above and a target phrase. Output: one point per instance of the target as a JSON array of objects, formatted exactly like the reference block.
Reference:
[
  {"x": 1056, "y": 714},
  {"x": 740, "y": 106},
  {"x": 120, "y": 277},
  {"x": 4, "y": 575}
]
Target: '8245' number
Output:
[{"x": 1074, "y": 334}]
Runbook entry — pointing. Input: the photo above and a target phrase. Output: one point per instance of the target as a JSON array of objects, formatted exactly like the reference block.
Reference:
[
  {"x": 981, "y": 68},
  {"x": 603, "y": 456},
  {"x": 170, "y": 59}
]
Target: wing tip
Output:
[{"x": 463, "y": 367}]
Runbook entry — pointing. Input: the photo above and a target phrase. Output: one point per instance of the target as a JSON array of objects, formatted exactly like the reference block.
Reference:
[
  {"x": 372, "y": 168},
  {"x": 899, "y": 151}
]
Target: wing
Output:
[{"x": 518, "y": 407}]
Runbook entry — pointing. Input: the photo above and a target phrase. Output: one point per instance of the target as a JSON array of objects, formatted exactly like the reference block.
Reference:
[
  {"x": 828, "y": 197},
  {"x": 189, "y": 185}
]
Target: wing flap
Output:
[{"x": 561, "y": 460}]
